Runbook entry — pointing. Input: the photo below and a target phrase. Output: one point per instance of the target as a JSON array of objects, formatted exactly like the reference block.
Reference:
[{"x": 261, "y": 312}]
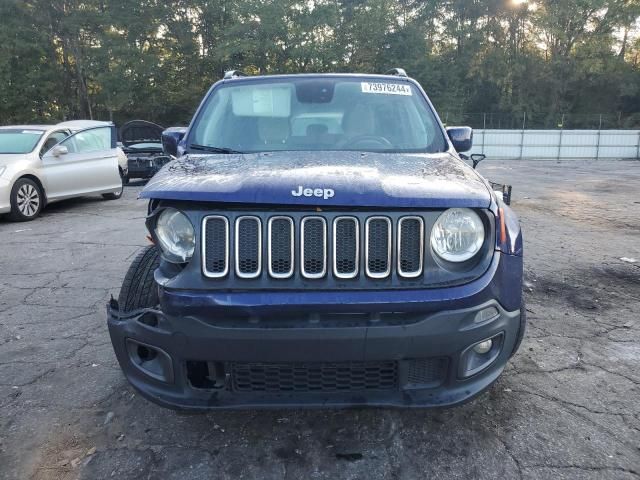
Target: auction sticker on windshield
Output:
[{"x": 386, "y": 88}]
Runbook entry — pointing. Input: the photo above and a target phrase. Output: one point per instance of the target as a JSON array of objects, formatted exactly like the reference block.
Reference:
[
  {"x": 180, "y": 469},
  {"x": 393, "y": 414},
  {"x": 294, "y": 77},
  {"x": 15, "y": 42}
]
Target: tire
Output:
[
  {"x": 139, "y": 289},
  {"x": 116, "y": 195},
  {"x": 27, "y": 200},
  {"x": 523, "y": 327}
]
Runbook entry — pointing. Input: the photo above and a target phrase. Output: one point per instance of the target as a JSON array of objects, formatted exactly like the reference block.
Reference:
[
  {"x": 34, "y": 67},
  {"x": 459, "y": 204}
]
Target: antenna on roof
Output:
[
  {"x": 234, "y": 74},
  {"x": 399, "y": 72}
]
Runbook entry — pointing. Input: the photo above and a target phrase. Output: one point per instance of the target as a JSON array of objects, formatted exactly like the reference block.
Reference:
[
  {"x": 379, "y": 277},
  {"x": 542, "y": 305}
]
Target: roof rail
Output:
[
  {"x": 400, "y": 72},
  {"x": 234, "y": 74}
]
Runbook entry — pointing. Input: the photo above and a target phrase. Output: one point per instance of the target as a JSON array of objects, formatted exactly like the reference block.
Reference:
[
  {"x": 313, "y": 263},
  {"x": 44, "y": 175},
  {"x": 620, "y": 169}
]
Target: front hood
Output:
[
  {"x": 140, "y": 131},
  {"x": 7, "y": 158},
  {"x": 346, "y": 179}
]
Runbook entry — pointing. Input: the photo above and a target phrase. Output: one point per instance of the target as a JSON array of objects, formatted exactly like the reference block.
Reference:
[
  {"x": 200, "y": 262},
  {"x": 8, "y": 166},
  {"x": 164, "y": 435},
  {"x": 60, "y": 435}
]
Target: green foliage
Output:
[{"x": 152, "y": 59}]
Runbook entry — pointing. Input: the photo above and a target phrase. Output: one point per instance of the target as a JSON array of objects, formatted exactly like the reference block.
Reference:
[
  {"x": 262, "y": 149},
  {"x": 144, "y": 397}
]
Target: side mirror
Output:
[
  {"x": 461, "y": 137},
  {"x": 476, "y": 158},
  {"x": 59, "y": 150},
  {"x": 171, "y": 138}
]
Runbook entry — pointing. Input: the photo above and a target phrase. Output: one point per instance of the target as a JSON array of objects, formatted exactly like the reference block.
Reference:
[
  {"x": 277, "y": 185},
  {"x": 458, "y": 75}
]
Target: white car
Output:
[{"x": 41, "y": 164}]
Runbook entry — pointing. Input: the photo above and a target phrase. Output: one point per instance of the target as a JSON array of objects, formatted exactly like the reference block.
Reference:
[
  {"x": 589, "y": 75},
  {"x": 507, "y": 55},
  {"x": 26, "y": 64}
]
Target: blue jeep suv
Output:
[{"x": 319, "y": 241}]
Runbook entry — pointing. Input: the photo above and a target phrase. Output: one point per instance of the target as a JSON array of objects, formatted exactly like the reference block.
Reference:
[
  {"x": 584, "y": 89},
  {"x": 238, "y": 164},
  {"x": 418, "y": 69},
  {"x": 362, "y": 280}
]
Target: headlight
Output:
[
  {"x": 457, "y": 235},
  {"x": 175, "y": 235}
]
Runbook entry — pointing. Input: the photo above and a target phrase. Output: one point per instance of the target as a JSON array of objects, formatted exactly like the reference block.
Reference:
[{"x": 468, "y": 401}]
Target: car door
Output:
[{"x": 85, "y": 162}]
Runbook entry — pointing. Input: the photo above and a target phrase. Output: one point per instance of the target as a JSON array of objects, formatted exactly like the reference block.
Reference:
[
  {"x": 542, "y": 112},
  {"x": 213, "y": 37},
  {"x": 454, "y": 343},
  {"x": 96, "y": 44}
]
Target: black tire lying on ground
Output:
[{"x": 139, "y": 289}]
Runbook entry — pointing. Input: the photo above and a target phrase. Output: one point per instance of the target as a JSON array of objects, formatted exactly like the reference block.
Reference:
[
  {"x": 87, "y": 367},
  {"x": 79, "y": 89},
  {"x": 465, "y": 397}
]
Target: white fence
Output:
[{"x": 557, "y": 144}]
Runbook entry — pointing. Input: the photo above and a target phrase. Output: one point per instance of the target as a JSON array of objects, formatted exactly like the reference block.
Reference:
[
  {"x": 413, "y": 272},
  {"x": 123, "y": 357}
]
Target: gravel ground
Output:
[{"x": 567, "y": 406}]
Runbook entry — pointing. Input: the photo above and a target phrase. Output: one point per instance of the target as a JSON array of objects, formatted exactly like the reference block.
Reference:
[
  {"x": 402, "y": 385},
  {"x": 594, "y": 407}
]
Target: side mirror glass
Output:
[
  {"x": 461, "y": 137},
  {"x": 476, "y": 158},
  {"x": 59, "y": 150},
  {"x": 171, "y": 138}
]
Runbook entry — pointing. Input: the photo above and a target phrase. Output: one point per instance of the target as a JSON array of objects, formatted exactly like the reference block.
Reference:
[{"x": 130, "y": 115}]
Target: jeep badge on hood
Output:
[{"x": 325, "y": 193}]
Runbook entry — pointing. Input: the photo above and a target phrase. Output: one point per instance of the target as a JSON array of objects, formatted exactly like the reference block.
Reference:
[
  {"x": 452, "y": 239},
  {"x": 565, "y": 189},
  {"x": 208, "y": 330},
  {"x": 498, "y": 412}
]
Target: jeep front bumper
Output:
[{"x": 199, "y": 353}]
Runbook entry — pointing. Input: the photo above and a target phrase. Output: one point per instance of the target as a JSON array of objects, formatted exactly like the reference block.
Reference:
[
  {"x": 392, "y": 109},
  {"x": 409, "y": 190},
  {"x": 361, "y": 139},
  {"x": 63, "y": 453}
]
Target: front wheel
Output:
[
  {"x": 26, "y": 200},
  {"x": 139, "y": 288}
]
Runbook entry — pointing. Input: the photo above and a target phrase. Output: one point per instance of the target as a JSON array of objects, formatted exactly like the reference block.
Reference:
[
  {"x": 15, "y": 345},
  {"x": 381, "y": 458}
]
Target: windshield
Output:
[
  {"x": 381, "y": 115},
  {"x": 19, "y": 140}
]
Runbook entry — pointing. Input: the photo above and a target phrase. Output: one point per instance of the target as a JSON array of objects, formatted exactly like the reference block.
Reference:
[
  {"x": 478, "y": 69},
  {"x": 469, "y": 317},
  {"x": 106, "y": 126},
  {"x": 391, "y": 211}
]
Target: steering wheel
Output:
[{"x": 367, "y": 141}]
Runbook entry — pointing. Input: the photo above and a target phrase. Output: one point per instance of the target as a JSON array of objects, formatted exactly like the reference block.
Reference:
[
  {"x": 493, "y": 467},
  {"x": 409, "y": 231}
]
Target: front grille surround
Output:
[
  {"x": 219, "y": 273},
  {"x": 373, "y": 243},
  {"x": 346, "y": 259},
  {"x": 305, "y": 243}
]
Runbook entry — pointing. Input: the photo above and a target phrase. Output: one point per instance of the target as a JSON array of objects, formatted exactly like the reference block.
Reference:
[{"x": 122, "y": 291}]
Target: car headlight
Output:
[
  {"x": 457, "y": 235},
  {"x": 176, "y": 236}
]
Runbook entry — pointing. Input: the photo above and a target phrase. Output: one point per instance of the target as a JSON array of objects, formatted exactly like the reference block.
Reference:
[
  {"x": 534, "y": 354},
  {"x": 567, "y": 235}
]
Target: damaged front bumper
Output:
[{"x": 421, "y": 360}]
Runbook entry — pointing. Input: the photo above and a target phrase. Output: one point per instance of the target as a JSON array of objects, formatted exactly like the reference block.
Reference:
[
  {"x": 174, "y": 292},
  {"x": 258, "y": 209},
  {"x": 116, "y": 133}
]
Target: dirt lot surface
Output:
[{"x": 567, "y": 406}]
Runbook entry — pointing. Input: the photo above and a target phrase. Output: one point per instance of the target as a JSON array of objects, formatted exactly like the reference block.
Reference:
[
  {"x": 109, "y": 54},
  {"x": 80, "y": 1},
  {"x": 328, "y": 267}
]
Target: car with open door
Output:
[
  {"x": 41, "y": 164},
  {"x": 142, "y": 143}
]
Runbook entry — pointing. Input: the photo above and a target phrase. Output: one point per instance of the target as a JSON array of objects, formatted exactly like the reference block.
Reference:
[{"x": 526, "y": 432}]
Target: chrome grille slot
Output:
[
  {"x": 281, "y": 247},
  {"x": 410, "y": 246},
  {"x": 346, "y": 245},
  {"x": 313, "y": 247},
  {"x": 248, "y": 247},
  {"x": 378, "y": 247},
  {"x": 215, "y": 246}
]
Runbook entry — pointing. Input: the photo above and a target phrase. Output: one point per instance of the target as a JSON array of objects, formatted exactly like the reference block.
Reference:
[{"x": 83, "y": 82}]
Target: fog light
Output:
[{"x": 483, "y": 347}]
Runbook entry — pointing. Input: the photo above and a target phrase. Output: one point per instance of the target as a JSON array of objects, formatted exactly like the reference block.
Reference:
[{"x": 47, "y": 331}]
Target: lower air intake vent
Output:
[
  {"x": 314, "y": 377},
  {"x": 426, "y": 372}
]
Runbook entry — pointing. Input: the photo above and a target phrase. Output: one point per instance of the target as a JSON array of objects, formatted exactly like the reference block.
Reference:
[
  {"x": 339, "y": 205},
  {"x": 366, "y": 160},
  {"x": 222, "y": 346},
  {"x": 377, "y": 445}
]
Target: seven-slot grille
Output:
[{"x": 318, "y": 251}]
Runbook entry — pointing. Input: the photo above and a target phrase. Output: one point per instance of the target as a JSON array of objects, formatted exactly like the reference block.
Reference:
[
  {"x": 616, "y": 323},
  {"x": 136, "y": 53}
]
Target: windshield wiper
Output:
[{"x": 207, "y": 148}]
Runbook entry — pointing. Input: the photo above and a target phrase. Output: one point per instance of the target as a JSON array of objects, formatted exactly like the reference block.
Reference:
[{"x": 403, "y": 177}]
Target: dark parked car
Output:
[
  {"x": 320, "y": 242},
  {"x": 142, "y": 143}
]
